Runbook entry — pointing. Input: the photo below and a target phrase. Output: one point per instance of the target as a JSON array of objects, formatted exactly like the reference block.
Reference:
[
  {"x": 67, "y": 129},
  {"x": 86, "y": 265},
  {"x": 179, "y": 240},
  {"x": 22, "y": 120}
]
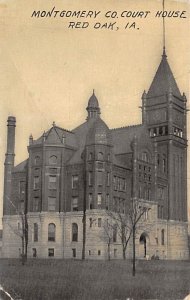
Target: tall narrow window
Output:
[
  {"x": 164, "y": 164},
  {"x": 51, "y": 232},
  {"x": 108, "y": 179},
  {"x": 74, "y": 232},
  {"x": 74, "y": 204},
  {"x": 162, "y": 237},
  {"x": 35, "y": 232},
  {"x": 115, "y": 233},
  {"x": 100, "y": 178},
  {"x": 107, "y": 201},
  {"x": 90, "y": 178},
  {"x": 36, "y": 160},
  {"x": 51, "y": 203},
  {"x": 90, "y": 201},
  {"x": 36, "y": 204},
  {"x": 99, "y": 200},
  {"x": 36, "y": 182},
  {"x": 75, "y": 181},
  {"x": 52, "y": 182}
]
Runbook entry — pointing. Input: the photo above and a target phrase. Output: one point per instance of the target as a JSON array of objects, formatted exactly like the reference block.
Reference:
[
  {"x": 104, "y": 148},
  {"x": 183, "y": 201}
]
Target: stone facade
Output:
[{"x": 78, "y": 177}]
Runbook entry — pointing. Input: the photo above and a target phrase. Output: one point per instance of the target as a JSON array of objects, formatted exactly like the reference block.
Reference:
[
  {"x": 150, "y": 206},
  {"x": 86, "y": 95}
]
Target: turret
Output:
[{"x": 9, "y": 164}]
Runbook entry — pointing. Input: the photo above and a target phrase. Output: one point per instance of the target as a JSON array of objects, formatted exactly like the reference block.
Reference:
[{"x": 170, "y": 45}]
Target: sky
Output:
[{"x": 48, "y": 69}]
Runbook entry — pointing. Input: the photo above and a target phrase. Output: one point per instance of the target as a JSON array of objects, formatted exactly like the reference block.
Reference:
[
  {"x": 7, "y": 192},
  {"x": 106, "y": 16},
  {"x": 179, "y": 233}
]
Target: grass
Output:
[{"x": 95, "y": 280}]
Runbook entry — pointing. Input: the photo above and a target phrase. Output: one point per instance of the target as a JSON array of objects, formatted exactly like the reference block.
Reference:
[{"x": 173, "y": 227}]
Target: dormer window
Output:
[{"x": 53, "y": 160}]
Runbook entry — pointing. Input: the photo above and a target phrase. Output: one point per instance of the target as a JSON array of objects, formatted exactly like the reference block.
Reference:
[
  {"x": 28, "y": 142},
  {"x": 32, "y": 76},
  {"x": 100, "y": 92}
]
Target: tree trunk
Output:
[
  {"x": 134, "y": 252},
  {"x": 124, "y": 253}
]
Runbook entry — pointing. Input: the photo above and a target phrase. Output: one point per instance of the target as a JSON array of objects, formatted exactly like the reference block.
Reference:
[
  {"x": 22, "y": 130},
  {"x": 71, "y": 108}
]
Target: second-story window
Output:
[
  {"x": 52, "y": 182},
  {"x": 74, "y": 205},
  {"x": 75, "y": 180},
  {"x": 36, "y": 182},
  {"x": 51, "y": 203}
]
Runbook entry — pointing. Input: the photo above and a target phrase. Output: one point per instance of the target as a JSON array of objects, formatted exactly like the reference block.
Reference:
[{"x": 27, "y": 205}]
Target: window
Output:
[
  {"x": 22, "y": 186},
  {"x": 36, "y": 182},
  {"x": 99, "y": 252},
  {"x": 107, "y": 201},
  {"x": 35, "y": 232},
  {"x": 89, "y": 252},
  {"x": 74, "y": 204},
  {"x": 100, "y": 156},
  {"x": 115, "y": 233},
  {"x": 144, "y": 156},
  {"x": 109, "y": 157},
  {"x": 51, "y": 252},
  {"x": 36, "y": 204},
  {"x": 53, "y": 160},
  {"x": 51, "y": 203},
  {"x": 99, "y": 178},
  {"x": 108, "y": 179},
  {"x": 36, "y": 160},
  {"x": 99, "y": 222},
  {"x": 115, "y": 252},
  {"x": 21, "y": 209},
  {"x": 90, "y": 156},
  {"x": 75, "y": 181},
  {"x": 91, "y": 221},
  {"x": 74, "y": 232},
  {"x": 99, "y": 200},
  {"x": 164, "y": 164},
  {"x": 34, "y": 252},
  {"x": 74, "y": 252},
  {"x": 90, "y": 201},
  {"x": 158, "y": 159},
  {"x": 162, "y": 237},
  {"x": 52, "y": 182},
  {"x": 90, "y": 178},
  {"x": 51, "y": 232}
]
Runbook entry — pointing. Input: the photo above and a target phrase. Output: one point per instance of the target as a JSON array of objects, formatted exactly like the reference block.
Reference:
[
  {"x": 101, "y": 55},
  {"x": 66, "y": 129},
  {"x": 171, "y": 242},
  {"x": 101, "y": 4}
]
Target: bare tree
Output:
[
  {"x": 108, "y": 235},
  {"x": 21, "y": 231},
  {"x": 135, "y": 213},
  {"x": 120, "y": 223}
]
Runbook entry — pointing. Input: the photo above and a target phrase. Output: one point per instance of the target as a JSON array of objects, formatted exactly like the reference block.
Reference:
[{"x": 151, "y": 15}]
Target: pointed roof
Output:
[{"x": 163, "y": 80}]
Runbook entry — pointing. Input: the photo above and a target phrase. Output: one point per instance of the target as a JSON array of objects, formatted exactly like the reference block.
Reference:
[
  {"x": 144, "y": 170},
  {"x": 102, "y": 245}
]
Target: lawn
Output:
[{"x": 90, "y": 280}]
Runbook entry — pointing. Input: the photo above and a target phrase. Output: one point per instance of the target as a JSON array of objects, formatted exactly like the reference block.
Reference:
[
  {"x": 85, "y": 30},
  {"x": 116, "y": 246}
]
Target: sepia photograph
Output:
[{"x": 94, "y": 157}]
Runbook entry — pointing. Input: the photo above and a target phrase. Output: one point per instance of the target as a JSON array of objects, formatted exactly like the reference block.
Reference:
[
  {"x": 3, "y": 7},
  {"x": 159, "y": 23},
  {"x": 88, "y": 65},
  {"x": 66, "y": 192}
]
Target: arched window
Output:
[
  {"x": 144, "y": 157},
  {"x": 53, "y": 160},
  {"x": 51, "y": 232},
  {"x": 162, "y": 237},
  {"x": 74, "y": 232},
  {"x": 100, "y": 156},
  {"x": 115, "y": 233},
  {"x": 36, "y": 160}
]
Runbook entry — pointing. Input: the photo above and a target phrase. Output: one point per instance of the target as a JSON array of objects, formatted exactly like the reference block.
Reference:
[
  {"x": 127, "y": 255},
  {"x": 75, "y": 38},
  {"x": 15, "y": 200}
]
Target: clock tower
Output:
[{"x": 164, "y": 114}]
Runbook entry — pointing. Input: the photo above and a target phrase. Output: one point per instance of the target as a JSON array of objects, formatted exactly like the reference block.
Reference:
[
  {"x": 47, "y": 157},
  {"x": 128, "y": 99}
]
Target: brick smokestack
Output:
[{"x": 9, "y": 164}]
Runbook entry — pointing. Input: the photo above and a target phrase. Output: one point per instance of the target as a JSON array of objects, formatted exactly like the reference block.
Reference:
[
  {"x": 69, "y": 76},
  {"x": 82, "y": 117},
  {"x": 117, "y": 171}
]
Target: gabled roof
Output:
[
  {"x": 20, "y": 167},
  {"x": 55, "y": 136},
  {"x": 163, "y": 80}
]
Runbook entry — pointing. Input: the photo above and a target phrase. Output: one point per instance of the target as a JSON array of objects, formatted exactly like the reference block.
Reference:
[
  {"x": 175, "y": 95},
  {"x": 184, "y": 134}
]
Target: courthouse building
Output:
[{"x": 96, "y": 169}]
